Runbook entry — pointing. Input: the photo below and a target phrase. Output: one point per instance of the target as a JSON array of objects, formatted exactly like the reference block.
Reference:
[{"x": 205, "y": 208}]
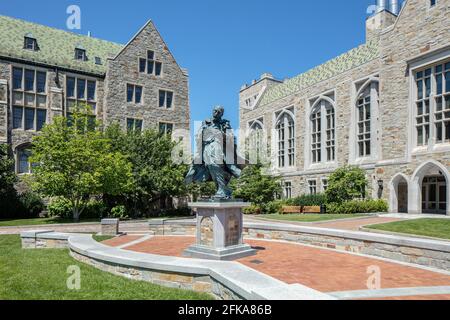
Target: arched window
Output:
[
  {"x": 286, "y": 140},
  {"x": 323, "y": 132},
  {"x": 367, "y": 100},
  {"x": 23, "y": 161},
  {"x": 255, "y": 142}
]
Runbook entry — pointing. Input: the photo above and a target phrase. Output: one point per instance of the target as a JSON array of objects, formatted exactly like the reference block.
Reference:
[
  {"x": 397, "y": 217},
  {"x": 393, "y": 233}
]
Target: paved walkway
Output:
[{"x": 321, "y": 269}]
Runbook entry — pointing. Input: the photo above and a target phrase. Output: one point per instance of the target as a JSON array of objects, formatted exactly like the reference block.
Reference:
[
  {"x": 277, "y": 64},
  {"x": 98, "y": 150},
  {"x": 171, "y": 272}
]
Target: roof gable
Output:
[{"x": 56, "y": 47}]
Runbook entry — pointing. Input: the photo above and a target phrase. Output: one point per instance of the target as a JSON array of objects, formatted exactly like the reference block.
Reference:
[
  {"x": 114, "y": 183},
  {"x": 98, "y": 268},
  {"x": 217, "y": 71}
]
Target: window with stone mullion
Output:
[
  {"x": 364, "y": 124},
  {"x": 323, "y": 132},
  {"x": 442, "y": 102},
  {"x": 29, "y": 98},
  {"x": 281, "y": 144},
  {"x": 423, "y": 82}
]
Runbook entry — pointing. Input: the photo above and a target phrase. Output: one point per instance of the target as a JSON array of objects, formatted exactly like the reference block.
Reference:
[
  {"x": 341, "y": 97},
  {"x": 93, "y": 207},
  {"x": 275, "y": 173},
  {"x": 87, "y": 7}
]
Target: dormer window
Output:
[
  {"x": 30, "y": 43},
  {"x": 98, "y": 60},
  {"x": 80, "y": 54}
]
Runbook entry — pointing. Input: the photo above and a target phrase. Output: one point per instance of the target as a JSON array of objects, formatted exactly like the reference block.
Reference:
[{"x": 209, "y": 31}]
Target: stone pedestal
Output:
[
  {"x": 219, "y": 231},
  {"x": 110, "y": 227}
]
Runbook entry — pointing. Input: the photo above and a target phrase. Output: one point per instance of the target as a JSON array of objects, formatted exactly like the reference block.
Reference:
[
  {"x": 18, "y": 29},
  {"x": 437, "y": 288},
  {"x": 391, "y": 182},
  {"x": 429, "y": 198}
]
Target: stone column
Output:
[
  {"x": 56, "y": 102},
  {"x": 110, "y": 227},
  {"x": 219, "y": 231}
]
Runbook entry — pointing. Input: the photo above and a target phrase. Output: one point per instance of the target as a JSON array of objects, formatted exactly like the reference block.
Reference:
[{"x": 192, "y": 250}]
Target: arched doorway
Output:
[
  {"x": 399, "y": 194},
  {"x": 430, "y": 189}
]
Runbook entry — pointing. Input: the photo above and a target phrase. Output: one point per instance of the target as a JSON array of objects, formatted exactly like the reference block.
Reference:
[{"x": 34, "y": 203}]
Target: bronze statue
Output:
[{"x": 216, "y": 157}]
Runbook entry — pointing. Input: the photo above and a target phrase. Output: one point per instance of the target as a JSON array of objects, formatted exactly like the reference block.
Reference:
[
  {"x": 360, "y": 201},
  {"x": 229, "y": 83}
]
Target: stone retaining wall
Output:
[
  {"x": 197, "y": 283},
  {"x": 425, "y": 252}
]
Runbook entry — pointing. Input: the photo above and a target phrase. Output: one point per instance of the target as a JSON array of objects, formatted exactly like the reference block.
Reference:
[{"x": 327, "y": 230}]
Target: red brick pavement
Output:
[
  {"x": 119, "y": 241},
  {"x": 321, "y": 269}
]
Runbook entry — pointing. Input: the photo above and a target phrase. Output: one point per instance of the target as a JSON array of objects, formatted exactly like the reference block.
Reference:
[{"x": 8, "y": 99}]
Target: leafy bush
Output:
[
  {"x": 345, "y": 184},
  {"x": 61, "y": 207},
  {"x": 253, "y": 209},
  {"x": 119, "y": 212},
  {"x": 307, "y": 200},
  {"x": 273, "y": 207},
  {"x": 358, "y": 206},
  {"x": 32, "y": 203}
]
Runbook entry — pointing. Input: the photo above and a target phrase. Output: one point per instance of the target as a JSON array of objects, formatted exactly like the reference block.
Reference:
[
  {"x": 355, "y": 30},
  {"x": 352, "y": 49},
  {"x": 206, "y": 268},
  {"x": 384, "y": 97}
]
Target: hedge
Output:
[
  {"x": 307, "y": 200},
  {"x": 358, "y": 206}
]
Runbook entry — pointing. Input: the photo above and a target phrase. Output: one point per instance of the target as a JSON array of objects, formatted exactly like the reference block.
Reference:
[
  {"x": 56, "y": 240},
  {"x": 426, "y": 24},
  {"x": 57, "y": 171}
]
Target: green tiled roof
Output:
[
  {"x": 340, "y": 64},
  {"x": 56, "y": 47}
]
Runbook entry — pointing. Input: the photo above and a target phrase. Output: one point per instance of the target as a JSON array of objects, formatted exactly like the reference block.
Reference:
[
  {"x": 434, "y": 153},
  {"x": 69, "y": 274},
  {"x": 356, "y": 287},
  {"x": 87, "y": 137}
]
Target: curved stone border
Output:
[
  {"x": 225, "y": 280},
  {"x": 419, "y": 251}
]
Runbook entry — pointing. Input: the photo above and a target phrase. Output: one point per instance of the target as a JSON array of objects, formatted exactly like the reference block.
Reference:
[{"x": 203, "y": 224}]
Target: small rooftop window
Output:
[
  {"x": 30, "y": 43},
  {"x": 98, "y": 60},
  {"x": 80, "y": 54}
]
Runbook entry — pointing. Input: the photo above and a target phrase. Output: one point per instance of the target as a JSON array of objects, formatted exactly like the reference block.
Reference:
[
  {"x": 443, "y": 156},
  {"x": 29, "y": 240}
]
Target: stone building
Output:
[
  {"x": 45, "y": 72},
  {"x": 384, "y": 106}
]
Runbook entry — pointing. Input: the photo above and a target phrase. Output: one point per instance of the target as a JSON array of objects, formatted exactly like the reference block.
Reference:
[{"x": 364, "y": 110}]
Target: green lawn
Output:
[
  {"x": 309, "y": 217},
  {"x": 436, "y": 228},
  {"x": 39, "y": 221},
  {"x": 101, "y": 238},
  {"x": 42, "y": 275}
]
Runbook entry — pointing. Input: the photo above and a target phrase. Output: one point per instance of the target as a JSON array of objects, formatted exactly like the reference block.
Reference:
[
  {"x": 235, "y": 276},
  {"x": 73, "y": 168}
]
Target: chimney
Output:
[
  {"x": 381, "y": 5},
  {"x": 394, "y": 7}
]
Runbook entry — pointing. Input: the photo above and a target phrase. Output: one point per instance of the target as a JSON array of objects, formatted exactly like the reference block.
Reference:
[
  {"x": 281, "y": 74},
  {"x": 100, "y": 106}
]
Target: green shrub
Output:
[
  {"x": 32, "y": 204},
  {"x": 358, "y": 206},
  {"x": 273, "y": 207},
  {"x": 307, "y": 200},
  {"x": 61, "y": 207},
  {"x": 253, "y": 209},
  {"x": 345, "y": 184},
  {"x": 119, "y": 212}
]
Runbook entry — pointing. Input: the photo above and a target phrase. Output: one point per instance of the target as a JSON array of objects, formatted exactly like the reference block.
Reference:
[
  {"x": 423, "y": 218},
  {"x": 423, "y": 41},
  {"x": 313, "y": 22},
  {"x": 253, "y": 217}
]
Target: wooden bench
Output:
[
  {"x": 314, "y": 209},
  {"x": 300, "y": 210},
  {"x": 291, "y": 210}
]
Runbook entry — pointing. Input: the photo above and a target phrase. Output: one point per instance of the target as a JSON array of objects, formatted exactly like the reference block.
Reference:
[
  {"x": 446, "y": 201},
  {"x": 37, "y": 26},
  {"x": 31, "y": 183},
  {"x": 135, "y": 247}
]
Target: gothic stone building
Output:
[
  {"x": 384, "y": 106},
  {"x": 45, "y": 72}
]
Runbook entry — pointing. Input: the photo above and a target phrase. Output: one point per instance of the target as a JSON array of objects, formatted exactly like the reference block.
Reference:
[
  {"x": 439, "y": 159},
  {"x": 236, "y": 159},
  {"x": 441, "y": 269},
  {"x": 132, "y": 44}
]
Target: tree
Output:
[
  {"x": 155, "y": 175},
  {"x": 201, "y": 190},
  {"x": 76, "y": 162},
  {"x": 255, "y": 187},
  {"x": 345, "y": 184},
  {"x": 8, "y": 194}
]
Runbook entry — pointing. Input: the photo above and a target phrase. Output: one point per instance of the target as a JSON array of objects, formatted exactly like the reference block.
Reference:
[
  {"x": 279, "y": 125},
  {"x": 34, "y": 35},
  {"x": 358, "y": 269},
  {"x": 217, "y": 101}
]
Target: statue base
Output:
[{"x": 219, "y": 231}]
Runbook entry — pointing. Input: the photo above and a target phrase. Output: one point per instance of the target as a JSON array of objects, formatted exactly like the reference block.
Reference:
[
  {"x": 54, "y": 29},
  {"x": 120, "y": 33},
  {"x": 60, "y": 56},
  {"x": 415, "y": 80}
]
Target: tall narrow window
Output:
[
  {"x": 134, "y": 93},
  {"x": 255, "y": 143},
  {"x": 442, "y": 103},
  {"x": 17, "y": 78},
  {"x": 287, "y": 186},
  {"x": 364, "y": 123},
  {"x": 286, "y": 140},
  {"x": 23, "y": 161},
  {"x": 165, "y": 99},
  {"x": 134, "y": 125},
  {"x": 423, "y": 81},
  {"x": 312, "y": 187},
  {"x": 165, "y": 128},
  {"x": 322, "y": 132}
]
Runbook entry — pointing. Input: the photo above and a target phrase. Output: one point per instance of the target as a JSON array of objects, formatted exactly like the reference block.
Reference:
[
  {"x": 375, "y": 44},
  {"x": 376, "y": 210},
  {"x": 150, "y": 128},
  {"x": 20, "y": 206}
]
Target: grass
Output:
[
  {"x": 436, "y": 228},
  {"x": 310, "y": 217},
  {"x": 40, "y": 221},
  {"x": 101, "y": 238},
  {"x": 42, "y": 275}
]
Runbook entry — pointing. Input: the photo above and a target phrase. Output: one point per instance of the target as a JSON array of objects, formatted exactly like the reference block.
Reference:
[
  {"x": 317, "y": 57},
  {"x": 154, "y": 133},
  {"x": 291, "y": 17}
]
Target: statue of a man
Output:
[{"x": 216, "y": 157}]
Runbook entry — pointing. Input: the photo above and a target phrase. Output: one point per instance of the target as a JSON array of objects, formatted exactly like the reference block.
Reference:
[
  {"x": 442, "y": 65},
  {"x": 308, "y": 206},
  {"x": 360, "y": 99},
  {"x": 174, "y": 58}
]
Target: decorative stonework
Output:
[
  {"x": 233, "y": 235},
  {"x": 207, "y": 232}
]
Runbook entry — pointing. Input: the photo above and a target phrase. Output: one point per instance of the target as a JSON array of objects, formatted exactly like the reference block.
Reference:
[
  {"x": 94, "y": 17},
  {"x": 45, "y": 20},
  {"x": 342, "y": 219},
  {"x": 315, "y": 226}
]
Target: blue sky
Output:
[{"x": 224, "y": 44}]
